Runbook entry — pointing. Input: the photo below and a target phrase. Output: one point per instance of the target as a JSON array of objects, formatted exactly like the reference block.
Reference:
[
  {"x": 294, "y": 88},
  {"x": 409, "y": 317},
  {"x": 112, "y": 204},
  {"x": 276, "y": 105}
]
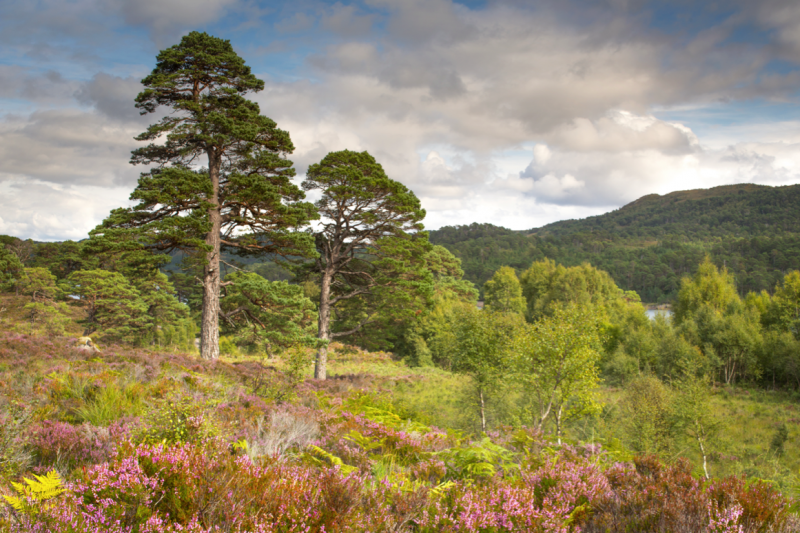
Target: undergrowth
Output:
[{"x": 149, "y": 441}]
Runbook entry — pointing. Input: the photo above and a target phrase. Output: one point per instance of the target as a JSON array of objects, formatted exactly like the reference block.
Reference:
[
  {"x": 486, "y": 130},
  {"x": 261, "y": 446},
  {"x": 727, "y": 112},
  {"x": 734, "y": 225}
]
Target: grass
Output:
[{"x": 63, "y": 385}]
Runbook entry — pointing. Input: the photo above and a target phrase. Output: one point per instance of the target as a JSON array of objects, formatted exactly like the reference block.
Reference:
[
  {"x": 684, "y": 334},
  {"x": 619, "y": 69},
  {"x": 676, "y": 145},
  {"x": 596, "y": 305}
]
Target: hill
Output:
[
  {"x": 649, "y": 244},
  {"x": 699, "y": 214}
]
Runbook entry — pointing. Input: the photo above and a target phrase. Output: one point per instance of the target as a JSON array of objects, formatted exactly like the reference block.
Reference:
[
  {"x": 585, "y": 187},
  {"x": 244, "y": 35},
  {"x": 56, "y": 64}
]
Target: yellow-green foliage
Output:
[
  {"x": 318, "y": 456},
  {"x": 41, "y": 489},
  {"x": 177, "y": 420},
  {"x": 478, "y": 459}
]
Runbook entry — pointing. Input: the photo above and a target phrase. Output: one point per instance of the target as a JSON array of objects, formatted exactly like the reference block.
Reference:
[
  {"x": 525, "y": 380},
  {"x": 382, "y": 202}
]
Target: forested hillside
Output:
[{"x": 648, "y": 245}]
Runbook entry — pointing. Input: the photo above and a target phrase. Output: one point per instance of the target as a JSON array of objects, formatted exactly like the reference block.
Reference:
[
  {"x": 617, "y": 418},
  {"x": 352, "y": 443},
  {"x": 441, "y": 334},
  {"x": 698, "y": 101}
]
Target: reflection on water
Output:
[{"x": 652, "y": 313}]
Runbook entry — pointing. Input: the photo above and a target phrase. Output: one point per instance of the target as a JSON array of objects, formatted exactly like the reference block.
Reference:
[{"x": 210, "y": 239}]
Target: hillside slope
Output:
[
  {"x": 649, "y": 244},
  {"x": 730, "y": 210}
]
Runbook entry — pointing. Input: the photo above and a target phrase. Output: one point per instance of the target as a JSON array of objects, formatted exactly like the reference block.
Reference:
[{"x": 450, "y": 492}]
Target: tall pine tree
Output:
[{"x": 243, "y": 199}]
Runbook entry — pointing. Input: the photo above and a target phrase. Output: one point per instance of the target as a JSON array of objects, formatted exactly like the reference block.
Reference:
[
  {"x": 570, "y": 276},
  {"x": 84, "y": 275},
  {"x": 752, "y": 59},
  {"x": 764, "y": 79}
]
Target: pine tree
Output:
[
  {"x": 10, "y": 267},
  {"x": 243, "y": 200},
  {"x": 372, "y": 250}
]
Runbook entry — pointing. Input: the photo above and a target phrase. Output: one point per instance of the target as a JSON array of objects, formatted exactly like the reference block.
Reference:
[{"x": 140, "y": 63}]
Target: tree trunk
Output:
[
  {"x": 558, "y": 423},
  {"x": 703, "y": 452},
  {"x": 483, "y": 410},
  {"x": 324, "y": 329},
  {"x": 209, "y": 328}
]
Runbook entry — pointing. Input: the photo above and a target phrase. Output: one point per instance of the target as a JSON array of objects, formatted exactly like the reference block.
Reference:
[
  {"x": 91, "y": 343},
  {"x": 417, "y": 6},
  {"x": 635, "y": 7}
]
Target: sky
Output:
[{"x": 514, "y": 112}]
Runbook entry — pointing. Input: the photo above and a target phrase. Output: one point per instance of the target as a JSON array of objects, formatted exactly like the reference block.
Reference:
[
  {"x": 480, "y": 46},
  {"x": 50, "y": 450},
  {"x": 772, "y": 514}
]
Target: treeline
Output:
[
  {"x": 652, "y": 268},
  {"x": 545, "y": 341}
]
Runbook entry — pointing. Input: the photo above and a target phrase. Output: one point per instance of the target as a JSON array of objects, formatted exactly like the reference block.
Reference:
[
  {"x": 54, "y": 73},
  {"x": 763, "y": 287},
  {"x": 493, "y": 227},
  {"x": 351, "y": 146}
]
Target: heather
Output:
[{"x": 156, "y": 441}]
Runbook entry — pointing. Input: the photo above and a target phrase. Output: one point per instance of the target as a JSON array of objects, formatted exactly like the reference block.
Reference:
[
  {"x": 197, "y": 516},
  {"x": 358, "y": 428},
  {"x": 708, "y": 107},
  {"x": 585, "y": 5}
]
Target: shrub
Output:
[
  {"x": 179, "y": 419},
  {"x": 65, "y": 446},
  {"x": 282, "y": 432}
]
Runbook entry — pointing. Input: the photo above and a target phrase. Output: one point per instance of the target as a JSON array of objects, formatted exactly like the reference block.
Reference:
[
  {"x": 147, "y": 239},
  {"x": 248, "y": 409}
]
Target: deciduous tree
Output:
[
  {"x": 557, "y": 361},
  {"x": 693, "y": 416},
  {"x": 503, "y": 293},
  {"x": 708, "y": 287},
  {"x": 481, "y": 349}
]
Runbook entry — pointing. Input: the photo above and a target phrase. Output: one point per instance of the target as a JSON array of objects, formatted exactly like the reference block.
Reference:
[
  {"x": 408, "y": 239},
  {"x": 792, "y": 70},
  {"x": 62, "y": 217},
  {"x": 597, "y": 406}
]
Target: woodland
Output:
[
  {"x": 650, "y": 244},
  {"x": 262, "y": 363}
]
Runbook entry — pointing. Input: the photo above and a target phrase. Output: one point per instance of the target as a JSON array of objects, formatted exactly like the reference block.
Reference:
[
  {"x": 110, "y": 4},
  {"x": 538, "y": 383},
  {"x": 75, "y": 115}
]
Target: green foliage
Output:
[
  {"x": 692, "y": 415},
  {"x": 647, "y": 414},
  {"x": 267, "y": 315},
  {"x": 546, "y": 285},
  {"x": 110, "y": 403},
  {"x": 317, "y": 456},
  {"x": 784, "y": 310},
  {"x": 62, "y": 258},
  {"x": 43, "y": 312},
  {"x": 244, "y": 201},
  {"x": 778, "y": 441},
  {"x": 423, "y": 342},
  {"x": 482, "y": 350},
  {"x": 271, "y": 271},
  {"x": 713, "y": 317},
  {"x": 297, "y": 362},
  {"x": 14, "y": 455},
  {"x": 10, "y": 267},
  {"x": 707, "y": 288},
  {"x": 227, "y": 346},
  {"x": 730, "y": 340},
  {"x": 51, "y": 317},
  {"x": 503, "y": 292},
  {"x": 177, "y": 420},
  {"x": 557, "y": 361},
  {"x": 39, "y": 284},
  {"x": 648, "y": 245},
  {"x": 113, "y": 307},
  {"x": 371, "y": 249},
  {"x": 480, "y": 459}
]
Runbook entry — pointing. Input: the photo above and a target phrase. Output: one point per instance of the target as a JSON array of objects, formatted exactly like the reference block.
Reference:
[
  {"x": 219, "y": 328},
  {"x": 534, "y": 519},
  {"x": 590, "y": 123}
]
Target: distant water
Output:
[{"x": 652, "y": 313}]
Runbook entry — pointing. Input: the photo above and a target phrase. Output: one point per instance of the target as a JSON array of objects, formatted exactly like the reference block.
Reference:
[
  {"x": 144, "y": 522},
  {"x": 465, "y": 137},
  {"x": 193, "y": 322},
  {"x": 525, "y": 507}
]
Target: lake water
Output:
[{"x": 652, "y": 313}]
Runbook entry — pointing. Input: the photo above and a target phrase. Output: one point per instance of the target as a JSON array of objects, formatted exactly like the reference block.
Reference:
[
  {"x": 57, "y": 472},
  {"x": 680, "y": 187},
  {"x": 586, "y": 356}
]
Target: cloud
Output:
[
  {"x": 597, "y": 179},
  {"x": 347, "y": 21},
  {"x": 494, "y": 80},
  {"x": 166, "y": 19},
  {"x": 782, "y": 16},
  {"x": 515, "y": 113},
  {"x": 420, "y": 22},
  {"x": 298, "y": 22},
  {"x": 624, "y": 131},
  {"x": 48, "y": 87},
  {"x": 45, "y": 211},
  {"x": 67, "y": 146},
  {"x": 111, "y": 95}
]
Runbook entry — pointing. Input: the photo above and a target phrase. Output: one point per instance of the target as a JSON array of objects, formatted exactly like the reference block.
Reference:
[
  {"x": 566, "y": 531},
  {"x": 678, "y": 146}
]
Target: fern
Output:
[
  {"x": 478, "y": 460},
  {"x": 41, "y": 489},
  {"x": 326, "y": 458}
]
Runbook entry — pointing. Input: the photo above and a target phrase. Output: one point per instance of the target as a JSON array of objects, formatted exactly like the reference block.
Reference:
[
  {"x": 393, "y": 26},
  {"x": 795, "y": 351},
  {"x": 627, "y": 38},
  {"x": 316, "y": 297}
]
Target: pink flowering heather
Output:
[{"x": 549, "y": 499}]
